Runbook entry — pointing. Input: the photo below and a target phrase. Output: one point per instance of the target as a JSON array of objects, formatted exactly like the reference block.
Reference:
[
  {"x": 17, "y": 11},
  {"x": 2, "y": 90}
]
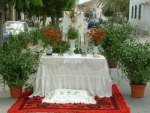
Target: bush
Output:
[
  {"x": 134, "y": 60},
  {"x": 16, "y": 64},
  {"x": 116, "y": 34}
]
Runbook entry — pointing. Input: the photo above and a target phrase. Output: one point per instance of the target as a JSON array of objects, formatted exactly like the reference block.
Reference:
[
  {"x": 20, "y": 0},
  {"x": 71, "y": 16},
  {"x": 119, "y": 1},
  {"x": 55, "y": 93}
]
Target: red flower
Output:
[
  {"x": 50, "y": 35},
  {"x": 96, "y": 35}
]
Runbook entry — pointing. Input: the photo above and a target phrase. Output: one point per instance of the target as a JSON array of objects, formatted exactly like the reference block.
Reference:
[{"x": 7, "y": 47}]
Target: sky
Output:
[{"x": 81, "y": 1}]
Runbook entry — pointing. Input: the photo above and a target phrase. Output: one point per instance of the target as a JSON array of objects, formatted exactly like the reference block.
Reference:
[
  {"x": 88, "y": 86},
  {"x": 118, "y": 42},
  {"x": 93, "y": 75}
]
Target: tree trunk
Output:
[
  {"x": 57, "y": 20},
  {"x": 11, "y": 12},
  {"x": 44, "y": 20},
  {"x": 53, "y": 19},
  {"x": 1, "y": 21}
]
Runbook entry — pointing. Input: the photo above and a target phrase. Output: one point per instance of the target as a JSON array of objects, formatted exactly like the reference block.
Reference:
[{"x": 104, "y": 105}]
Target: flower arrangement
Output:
[
  {"x": 72, "y": 33},
  {"x": 61, "y": 46},
  {"x": 50, "y": 36},
  {"x": 95, "y": 36}
]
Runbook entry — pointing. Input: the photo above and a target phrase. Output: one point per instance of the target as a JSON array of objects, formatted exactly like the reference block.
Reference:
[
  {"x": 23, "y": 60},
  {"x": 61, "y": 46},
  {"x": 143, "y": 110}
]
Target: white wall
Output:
[
  {"x": 99, "y": 11},
  {"x": 144, "y": 23}
]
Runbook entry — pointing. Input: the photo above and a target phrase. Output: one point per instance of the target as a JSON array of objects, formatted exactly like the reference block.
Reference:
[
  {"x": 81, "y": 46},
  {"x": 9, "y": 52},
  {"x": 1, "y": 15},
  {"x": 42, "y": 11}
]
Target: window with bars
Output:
[
  {"x": 132, "y": 12},
  {"x": 139, "y": 15},
  {"x": 135, "y": 15}
]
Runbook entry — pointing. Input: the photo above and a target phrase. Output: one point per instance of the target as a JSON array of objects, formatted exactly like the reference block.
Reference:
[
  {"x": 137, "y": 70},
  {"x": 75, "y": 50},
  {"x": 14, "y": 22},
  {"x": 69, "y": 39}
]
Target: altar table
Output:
[{"x": 73, "y": 72}]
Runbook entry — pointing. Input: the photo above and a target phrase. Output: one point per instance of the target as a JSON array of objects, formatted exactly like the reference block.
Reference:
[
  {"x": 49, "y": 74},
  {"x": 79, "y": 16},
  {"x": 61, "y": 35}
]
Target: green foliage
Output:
[
  {"x": 116, "y": 19},
  {"x": 134, "y": 60},
  {"x": 78, "y": 51},
  {"x": 16, "y": 64},
  {"x": 23, "y": 39},
  {"x": 35, "y": 36},
  {"x": 116, "y": 34},
  {"x": 21, "y": 5},
  {"x": 61, "y": 46},
  {"x": 107, "y": 12},
  {"x": 29, "y": 87},
  {"x": 72, "y": 33},
  {"x": 53, "y": 8},
  {"x": 116, "y": 6}
]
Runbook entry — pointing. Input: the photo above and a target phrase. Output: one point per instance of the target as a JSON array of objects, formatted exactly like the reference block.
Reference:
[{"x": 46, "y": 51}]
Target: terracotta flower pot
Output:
[
  {"x": 15, "y": 91},
  {"x": 137, "y": 91}
]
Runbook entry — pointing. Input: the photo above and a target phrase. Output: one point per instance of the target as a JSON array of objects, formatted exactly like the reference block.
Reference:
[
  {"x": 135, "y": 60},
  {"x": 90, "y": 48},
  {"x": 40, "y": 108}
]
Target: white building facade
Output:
[{"x": 139, "y": 15}]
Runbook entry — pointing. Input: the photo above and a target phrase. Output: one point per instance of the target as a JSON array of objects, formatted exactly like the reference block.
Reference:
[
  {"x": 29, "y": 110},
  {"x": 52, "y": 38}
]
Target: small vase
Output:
[
  {"x": 49, "y": 50},
  {"x": 72, "y": 46},
  {"x": 95, "y": 51}
]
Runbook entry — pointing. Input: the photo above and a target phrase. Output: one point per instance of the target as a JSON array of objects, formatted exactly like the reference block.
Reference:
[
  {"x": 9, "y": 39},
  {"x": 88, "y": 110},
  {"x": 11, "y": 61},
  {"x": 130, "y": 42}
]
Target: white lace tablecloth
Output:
[{"x": 73, "y": 72}]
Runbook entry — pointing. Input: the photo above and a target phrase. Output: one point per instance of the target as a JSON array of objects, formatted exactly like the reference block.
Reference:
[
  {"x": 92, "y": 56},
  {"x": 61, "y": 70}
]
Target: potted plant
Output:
[
  {"x": 23, "y": 39},
  {"x": 35, "y": 36},
  {"x": 16, "y": 65},
  {"x": 116, "y": 34},
  {"x": 61, "y": 46},
  {"x": 49, "y": 37},
  {"x": 95, "y": 38},
  {"x": 134, "y": 60},
  {"x": 72, "y": 35}
]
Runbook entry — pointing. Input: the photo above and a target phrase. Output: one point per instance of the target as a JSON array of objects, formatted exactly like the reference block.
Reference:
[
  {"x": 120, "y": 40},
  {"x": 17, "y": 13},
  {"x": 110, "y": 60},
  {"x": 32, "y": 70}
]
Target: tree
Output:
[
  {"x": 20, "y": 5},
  {"x": 51, "y": 8},
  {"x": 108, "y": 12},
  {"x": 121, "y": 6},
  {"x": 2, "y": 9}
]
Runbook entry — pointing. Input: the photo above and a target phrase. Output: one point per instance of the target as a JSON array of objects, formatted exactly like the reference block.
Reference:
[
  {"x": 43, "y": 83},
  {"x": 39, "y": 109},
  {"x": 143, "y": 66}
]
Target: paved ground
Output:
[{"x": 143, "y": 38}]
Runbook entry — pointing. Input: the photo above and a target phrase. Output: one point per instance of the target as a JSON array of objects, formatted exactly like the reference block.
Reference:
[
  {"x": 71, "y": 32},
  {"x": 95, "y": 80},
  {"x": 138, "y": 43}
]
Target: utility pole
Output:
[{"x": 1, "y": 21}]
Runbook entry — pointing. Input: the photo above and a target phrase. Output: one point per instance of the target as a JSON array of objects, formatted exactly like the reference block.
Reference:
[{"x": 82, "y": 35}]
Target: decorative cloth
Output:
[
  {"x": 91, "y": 74},
  {"x": 64, "y": 96}
]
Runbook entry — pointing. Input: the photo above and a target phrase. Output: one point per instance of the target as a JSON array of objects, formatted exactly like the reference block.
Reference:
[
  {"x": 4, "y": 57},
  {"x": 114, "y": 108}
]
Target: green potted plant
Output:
[
  {"x": 61, "y": 46},
  {"x": 16, "y": 65},
  {"x": 23, "y": 39},
  {"x": 35, "y": 36},
  {"x": 72, "y": 35},
  {"x": 116, "y": 34},
  {"x": 134, "y": 60}
]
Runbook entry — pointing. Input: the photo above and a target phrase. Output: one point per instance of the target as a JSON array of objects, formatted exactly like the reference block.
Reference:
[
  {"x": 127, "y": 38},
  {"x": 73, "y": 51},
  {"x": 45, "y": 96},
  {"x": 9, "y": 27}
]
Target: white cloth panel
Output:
[
  {"x": 63, "y": 96},
  {"x": 87, "y": 73}
]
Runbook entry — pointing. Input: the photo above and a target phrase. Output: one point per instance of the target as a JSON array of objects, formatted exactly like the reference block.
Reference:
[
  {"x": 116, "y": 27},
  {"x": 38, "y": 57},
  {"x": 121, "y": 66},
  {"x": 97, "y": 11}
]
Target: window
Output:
[
  {"x": 132, "y": 12},
  {"x": 135, "y": 15},
  {"x": 139, "y": 15}
]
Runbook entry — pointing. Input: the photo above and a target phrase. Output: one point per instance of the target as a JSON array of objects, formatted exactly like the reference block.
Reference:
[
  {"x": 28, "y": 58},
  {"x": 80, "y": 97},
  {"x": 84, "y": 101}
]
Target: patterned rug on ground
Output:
[{"x": 114, "y": 104}]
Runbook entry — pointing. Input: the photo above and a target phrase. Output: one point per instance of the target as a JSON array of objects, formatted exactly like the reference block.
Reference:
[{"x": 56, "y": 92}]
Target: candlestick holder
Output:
[{"x": 84, "y": 50}]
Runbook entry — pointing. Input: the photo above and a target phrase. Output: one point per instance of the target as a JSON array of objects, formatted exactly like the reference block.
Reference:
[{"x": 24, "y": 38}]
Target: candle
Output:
[
  {"x": 84, "y": 40},
  {"x": 65, "y": 38},
  {"x": 80, "y": 39}
]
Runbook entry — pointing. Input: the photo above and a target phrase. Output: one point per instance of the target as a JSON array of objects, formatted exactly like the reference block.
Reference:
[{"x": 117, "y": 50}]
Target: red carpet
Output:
[{"x": 115, "y": 104}]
